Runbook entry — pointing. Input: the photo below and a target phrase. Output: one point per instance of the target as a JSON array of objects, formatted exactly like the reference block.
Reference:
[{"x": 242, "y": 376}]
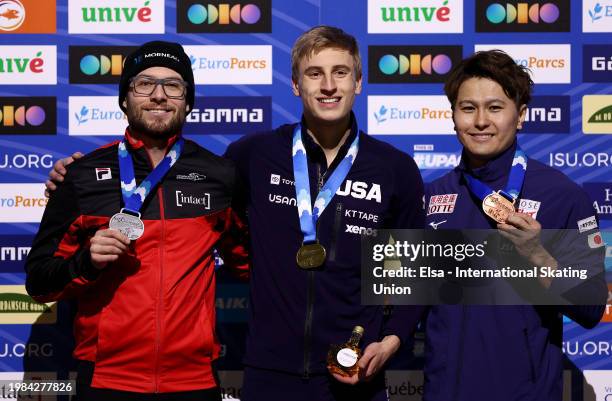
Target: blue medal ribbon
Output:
[
  {"x": 134, "y": 197},
  {"x": 309, "y": 215},
  {"x": 515, "y": 180}
]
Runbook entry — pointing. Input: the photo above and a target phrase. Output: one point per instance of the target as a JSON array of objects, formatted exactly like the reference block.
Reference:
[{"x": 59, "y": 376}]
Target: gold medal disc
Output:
[{"x": 310, "y": 256}]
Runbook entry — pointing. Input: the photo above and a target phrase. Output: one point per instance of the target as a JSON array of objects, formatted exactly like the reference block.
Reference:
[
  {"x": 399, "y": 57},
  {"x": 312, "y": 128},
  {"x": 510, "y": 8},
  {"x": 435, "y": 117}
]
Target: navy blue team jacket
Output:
[
  {"x": 503, "y": 353},
  {"x": 296, "y": 314}
]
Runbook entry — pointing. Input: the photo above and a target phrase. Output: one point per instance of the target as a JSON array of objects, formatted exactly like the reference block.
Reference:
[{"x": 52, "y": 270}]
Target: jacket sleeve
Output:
[
  {"x": 59, "y": 265},
  {"x": 407, "y": 213},
  {"x": 580, "y": 250},
  {"x": 234, "y": 245}
]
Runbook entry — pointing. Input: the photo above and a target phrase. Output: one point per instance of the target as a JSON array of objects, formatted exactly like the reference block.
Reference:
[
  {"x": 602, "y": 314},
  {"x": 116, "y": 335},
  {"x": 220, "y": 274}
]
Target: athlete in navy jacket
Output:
[
  {"x": 504, "y": 352},
  {"x": 295, "y": 313}
]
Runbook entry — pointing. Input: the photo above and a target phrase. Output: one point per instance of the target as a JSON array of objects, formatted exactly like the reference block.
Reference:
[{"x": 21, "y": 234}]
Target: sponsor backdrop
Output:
[{"x": 60, "y": 61}]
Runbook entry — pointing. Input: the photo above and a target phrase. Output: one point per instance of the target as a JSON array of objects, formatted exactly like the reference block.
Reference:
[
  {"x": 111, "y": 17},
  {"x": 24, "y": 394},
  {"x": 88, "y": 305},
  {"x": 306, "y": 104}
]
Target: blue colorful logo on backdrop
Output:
[
  {"x": 524, "y": 16},
  {"x": 229, "y": 115},
  {"x": 97, "y": 64},
  {"x": 225, "y": 16},
  {"x": 597, "y": 63},
  {"x": 547, "y": 115},
  {"x": 28, "y": 115}
]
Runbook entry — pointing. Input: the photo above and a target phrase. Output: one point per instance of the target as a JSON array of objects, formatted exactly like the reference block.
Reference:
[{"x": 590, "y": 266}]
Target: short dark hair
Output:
[
  {"x": 497, "y": 66},
  {"x": 320, "y": 38}
]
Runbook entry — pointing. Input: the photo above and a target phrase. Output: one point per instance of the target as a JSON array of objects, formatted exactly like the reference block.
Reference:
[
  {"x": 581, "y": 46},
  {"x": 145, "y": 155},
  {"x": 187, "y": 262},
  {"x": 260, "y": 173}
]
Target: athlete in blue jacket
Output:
[
  {"x": 297, "y": 311},
  {"x": 503, "y": 352}
]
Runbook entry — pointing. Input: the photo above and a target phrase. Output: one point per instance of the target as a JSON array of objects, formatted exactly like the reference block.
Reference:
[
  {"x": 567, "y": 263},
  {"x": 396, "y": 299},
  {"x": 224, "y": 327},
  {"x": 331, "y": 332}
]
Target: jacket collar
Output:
[
  {"x": 495, "y": 169},
  {"x": 314, "y": 150}
]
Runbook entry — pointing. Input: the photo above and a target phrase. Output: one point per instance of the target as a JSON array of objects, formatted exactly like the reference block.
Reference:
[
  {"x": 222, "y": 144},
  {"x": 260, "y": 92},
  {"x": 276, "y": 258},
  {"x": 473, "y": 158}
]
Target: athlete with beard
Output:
[{"x": 129, "y": 234}]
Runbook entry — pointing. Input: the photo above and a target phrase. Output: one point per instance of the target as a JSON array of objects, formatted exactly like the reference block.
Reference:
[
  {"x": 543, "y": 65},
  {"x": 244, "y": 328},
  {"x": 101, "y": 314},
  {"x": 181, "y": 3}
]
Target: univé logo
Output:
[
  {"x": 528, "y": 16},
  {"x": 22, "y": 65},
  {"x": 12, "y": 15},
  {"x": 223, "y": 16},
  {"x": 30, "y": 65},
  {"x": 403, "y": 64},
  {"x": 27, "y": 115},
  {"x": 117, "y": 14}
]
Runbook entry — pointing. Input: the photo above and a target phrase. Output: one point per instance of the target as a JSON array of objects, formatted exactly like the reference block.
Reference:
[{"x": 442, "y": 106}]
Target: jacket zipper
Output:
[
  {"x": 160, "y": 194},
  {"x": 332, "y": 245},
  {"x": 530, "y": 356},
  {"x": 310, "y": 296},
  {"x": 460, "y": 354}
]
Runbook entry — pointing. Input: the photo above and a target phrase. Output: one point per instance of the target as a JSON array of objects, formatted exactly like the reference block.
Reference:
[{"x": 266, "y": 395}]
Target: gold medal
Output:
[
  {"x": 310, "y": 256},
  {"x": 497, "y": 207}
]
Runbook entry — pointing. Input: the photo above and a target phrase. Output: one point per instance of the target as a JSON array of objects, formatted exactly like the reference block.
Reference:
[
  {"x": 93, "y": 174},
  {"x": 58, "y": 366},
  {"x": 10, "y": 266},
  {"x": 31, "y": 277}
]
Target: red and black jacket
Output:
[{"x": 147, "y": 320}]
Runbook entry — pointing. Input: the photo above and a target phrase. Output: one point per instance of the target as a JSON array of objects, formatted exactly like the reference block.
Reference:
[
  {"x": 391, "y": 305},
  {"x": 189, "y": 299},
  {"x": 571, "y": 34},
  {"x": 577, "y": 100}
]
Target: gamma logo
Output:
[
  {"x": 597, "y": 63},
  {"x": 27, "y": 116},
  {"x": 597, "y": 114},
  {"x": 523, "y": 16},
  {"x": 27, "y": 16},
  {"x": 411, "y": 64},
  {"x": 224, "y": 16},
  {"x": 97, "y": 64}
]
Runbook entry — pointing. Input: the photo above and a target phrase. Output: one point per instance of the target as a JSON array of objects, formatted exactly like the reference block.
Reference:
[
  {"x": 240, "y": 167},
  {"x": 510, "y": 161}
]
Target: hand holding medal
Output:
[{"x": 107, "y": 246}]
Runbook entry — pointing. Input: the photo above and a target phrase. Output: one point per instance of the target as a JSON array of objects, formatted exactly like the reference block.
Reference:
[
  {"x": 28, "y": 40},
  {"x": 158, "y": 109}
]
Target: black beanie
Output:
[{"x": 157, "y": 54}]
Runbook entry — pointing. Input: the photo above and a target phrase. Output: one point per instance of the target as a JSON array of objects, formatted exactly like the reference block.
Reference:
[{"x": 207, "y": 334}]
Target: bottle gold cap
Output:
[{"x": 358, "y": 329}]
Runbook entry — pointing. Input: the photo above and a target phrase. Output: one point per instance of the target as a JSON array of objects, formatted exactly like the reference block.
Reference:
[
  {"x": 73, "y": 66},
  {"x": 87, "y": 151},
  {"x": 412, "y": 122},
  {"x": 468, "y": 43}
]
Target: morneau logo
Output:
[
  {"x": 97, "y": 64},
  {"x": 27, "y": 16},
  {"x": 27, "y": 115},
  {"x": 121, "y": 16},
  {"x": 226, "y": 16},
  {"x": 411, "y": 64},
  {"x": 419, "y": 16},
  {"x": 523, "y": 16}
]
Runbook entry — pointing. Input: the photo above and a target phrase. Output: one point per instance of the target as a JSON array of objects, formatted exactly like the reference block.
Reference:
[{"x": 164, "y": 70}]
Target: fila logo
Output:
[
  {"x": 361, "y": 230},
  {"x": 442, "y": 204},
  {"x": 275, "y": 179},
  {"x": 361, "y": 190},
  {"x": 587, "y": 224},
  {"x": 103, "y": 173},
  {"x": 182, "y": 200}
]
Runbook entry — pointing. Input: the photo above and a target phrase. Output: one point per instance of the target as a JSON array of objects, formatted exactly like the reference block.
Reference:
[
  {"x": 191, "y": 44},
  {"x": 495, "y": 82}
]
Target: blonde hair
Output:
[{"x": 320, "y": 38}]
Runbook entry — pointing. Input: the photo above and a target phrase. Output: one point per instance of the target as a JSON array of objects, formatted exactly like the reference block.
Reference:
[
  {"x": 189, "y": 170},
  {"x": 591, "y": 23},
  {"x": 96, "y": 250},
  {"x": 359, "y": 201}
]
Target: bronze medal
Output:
[
  {"x": 497, "y": 207},
  {"x": 310, "y": 256}
]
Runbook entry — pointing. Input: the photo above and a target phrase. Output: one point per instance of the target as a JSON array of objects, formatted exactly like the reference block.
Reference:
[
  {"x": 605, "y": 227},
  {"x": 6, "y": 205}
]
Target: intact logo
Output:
[
  {"x": 202, "y": 200},
  {"x": 31, "y": 65},
  {"x": 596, "y": 16},
  {"x": 103, "y": 174},
  {"x": 224, "y": 16},
  {"x": 436, "y": 160},
  {"x": 17, "y": 307},
  {"x": 97, "y": 64},
  {"x": 547, "y": 115},
  {"x": 27, "y": 16},
  {"x": 28, "y": 115},
  {"x": 548, "y": 63},
  {"x": 411, "y": 64},
  {"x": 442, "y": 204},
  {"x": 121, "y": 16},
  {"x": 597, "y": 63},
  {"x": 418, "y": 16},
  {"x": 221, "y": 115},
  {"x": 597, "y": 114},
  {"x": 590, "y": 223},
  {"x": 529, "y": 207},
  {"x": 523, "y": 16},
  {"x": 601, "y": 195}
]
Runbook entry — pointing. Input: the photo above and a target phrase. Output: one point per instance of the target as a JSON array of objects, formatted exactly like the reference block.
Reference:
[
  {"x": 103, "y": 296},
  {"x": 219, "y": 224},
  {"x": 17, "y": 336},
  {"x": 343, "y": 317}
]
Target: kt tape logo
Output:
[
  {"x": 28, "y": 116},
  {"x": 27, "y": 16},
  {"x": 411, "y": 64},
  {"x": 97, "y": 64},
  {"x": 523, "y": 16},
  {"x": 224, "y": 16}
]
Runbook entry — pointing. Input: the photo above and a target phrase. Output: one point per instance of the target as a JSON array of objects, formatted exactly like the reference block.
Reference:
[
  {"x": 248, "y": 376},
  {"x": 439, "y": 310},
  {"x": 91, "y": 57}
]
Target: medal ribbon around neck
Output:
[
  {"x": 308, "y": 215},
  {"x": 134, "y": 197}
]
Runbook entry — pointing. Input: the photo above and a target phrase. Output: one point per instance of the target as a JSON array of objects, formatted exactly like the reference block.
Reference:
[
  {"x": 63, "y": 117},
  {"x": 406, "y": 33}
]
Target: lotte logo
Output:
[
  {"x": 522, "y": 13},
  {"x": 223, "y": 14},
  {"x": 415, "y": 64},
  {"x": 12, "y": 14}
]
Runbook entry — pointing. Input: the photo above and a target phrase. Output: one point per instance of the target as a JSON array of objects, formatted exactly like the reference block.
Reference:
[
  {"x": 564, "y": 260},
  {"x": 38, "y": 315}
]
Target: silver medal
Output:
[{"x": 128, "y": 224}]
